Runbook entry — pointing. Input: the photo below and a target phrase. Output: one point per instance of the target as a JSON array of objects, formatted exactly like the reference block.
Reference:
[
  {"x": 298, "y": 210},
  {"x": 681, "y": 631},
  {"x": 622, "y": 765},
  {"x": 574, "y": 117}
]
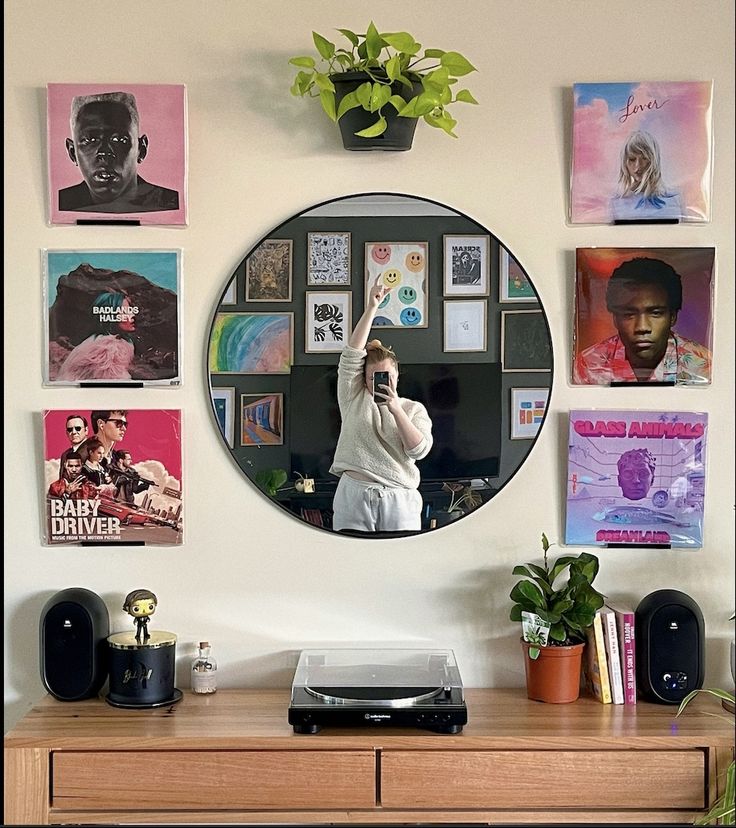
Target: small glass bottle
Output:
[{"x": 204, "y": 670}]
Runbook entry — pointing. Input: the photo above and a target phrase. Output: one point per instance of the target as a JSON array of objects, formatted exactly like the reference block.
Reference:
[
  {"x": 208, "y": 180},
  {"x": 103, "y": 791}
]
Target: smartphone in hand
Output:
[{"x": 380, "y": 378}]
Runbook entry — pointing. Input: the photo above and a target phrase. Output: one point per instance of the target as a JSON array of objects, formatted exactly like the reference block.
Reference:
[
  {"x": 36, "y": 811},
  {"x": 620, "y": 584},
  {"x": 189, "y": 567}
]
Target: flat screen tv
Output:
[{"x": 464, "y": 402}]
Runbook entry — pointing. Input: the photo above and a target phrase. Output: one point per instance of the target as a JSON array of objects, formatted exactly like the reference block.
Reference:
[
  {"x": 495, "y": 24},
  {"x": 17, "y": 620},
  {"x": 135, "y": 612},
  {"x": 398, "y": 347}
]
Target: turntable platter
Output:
[{"x": 388, "y": 696}]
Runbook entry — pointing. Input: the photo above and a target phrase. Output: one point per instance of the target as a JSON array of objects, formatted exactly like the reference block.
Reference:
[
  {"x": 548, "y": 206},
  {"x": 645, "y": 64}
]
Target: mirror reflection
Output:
[{"x": 379, "y": 365}]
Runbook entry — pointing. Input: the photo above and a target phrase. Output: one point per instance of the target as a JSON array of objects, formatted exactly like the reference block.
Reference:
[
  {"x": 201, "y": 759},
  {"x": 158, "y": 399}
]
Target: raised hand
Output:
[{"x": 377, "y": 293}]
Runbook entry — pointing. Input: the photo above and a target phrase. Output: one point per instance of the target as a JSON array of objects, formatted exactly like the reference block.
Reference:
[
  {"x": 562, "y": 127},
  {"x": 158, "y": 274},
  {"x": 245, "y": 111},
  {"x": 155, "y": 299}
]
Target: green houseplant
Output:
[
  {"x": 382, "y": 82},
  {"x": 722, "y": 812},
  {"x": 567, "y": 609},
  {"x": 271, "y": 480},
  {"x": 463, "y": 499}
]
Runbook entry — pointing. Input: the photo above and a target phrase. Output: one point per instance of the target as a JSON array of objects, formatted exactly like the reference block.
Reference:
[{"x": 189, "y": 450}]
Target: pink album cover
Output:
[
  {"x": 113, "y": 477},
  {"x": 643, "y": 315},
  {"x": 117, "y": 152},
  {"x": 642, "y": 152}
]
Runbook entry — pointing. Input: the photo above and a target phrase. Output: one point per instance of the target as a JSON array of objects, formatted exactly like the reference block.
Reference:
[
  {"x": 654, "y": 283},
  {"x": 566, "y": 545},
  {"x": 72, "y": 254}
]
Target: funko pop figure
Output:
[{"x": 141, "y": 604}]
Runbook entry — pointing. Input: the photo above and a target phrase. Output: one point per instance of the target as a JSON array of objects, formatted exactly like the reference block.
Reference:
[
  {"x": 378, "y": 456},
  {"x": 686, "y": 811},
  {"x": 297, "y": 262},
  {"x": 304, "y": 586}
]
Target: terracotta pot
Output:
[{"x": 554, "y": 676}]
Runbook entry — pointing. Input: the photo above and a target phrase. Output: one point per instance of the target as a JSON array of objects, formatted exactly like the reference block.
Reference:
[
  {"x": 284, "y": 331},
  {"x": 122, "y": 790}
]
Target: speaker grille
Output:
[{"x": 68, "y": 651}]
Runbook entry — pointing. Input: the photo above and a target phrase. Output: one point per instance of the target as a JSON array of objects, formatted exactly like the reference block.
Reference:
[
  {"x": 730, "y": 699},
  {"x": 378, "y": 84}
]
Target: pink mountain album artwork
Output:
[
  {"x": 636, "y": 478},
  {"x": 113, "y": 477},
  {"x": 113, "y": 317},
  {"x": 642, "y": 152},
  {"x": 117, "y": 153}
]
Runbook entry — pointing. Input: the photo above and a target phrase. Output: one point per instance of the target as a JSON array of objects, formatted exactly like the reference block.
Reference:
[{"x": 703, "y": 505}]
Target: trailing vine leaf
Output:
[
  {"x": 457, "y": 64},
  {"x": 351, "y": 36},
  {"x": 328, "y": 103},
  {"x": 324, "y": 46},
  {"x": 465, "y": 96},
  {"x": 350, "y": 101},
  {"x": 375, "y": 129}
]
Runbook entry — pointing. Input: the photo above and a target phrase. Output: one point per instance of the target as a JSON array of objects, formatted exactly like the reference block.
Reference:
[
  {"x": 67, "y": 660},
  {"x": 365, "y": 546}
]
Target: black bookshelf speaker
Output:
[
  {"x": 670, "y": 646},
  {"x": 73, "y": 650}
]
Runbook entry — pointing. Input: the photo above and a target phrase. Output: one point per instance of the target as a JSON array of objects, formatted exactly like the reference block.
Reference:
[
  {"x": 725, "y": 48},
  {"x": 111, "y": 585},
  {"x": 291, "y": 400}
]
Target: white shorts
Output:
[{"x": 372, "y": 507}]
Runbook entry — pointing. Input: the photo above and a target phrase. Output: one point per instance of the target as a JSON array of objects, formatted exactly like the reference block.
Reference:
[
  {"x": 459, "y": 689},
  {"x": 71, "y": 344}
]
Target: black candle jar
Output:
[{"x": 142, "y": 674}]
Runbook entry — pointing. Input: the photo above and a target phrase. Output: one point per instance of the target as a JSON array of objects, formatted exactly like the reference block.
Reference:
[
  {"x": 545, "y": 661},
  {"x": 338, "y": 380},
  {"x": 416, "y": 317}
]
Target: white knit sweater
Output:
[{"x": 369, "y": 440}]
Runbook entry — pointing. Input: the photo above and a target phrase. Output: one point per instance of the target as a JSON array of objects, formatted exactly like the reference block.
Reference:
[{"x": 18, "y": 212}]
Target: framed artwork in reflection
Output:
[
  {"x": 268, "y": 272},
  {"x": 223, "y": 403},
  {"x": 327, "y": 321},
  {"x": 528, "y": 406},
  {"x": 252, "y": 343},
  {"x": 402, "y": 267},
  {"x": 261, "y": 419},
  {"x": 465, "y": 326},
  {"x": 466, "y": 265},
  {"x": 513, "y": 285},
  {"x": 525, "y": 342},
  {"x": 328, "y": 259}
]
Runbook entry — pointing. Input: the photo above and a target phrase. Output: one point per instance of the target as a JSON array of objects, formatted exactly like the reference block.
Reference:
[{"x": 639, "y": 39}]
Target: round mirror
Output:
[{"x": 295, "y": 371}]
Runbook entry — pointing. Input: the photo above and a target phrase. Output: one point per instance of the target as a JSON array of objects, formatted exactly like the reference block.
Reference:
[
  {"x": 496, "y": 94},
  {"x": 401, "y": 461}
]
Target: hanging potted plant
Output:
[
  {"x": 379, "y": 85},
  {"x": 554, "y": 620}
]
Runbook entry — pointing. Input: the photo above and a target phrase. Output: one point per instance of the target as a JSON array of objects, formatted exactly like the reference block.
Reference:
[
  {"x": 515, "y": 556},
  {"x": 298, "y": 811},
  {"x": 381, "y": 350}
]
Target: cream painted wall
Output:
[{"x": 257, "y": 584}]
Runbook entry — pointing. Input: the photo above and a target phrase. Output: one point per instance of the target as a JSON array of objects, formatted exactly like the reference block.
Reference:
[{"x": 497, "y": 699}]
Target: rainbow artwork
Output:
[
  {"x": 668, "y": 125},
  {"x": 252, "y": 343}
]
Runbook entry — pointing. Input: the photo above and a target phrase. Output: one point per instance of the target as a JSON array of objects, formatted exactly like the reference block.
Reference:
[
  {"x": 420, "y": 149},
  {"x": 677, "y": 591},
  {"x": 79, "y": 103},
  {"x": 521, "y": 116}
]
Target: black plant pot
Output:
[
  {"x": 443, "y": 518},
  {"x": 399, "y": 132}
]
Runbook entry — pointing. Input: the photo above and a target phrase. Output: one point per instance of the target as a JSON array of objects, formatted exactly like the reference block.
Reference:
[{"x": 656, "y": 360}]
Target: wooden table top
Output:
[{"x": 257, "y": 719}]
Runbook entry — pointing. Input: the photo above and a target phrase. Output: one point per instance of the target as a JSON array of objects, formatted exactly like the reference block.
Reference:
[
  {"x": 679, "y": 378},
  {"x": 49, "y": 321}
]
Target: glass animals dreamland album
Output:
[{"x": 636, "y": 478}]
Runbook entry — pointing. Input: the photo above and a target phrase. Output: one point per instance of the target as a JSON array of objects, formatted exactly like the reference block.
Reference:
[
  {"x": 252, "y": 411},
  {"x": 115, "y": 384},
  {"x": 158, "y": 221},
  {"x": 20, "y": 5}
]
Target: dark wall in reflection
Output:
[{"x": 463, "y": 401}]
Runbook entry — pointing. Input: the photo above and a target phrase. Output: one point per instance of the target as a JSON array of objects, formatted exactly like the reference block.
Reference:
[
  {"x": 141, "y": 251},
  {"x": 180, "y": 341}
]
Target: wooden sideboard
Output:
[{"x": 232, "y": 757}]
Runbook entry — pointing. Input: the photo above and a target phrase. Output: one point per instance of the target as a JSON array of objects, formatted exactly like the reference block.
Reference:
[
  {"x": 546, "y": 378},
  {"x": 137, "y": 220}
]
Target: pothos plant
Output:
[
  {"x": 569, "y": 608},
  {"x": 386, "y": 59}
]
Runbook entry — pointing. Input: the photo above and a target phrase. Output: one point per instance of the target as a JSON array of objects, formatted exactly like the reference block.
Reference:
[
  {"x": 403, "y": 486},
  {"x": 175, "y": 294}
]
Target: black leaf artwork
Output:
[{"x": 324, "y": 313}]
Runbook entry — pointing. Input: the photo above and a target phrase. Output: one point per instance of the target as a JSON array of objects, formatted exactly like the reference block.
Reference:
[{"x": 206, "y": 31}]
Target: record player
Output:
[{"x": 351, "y": 688}]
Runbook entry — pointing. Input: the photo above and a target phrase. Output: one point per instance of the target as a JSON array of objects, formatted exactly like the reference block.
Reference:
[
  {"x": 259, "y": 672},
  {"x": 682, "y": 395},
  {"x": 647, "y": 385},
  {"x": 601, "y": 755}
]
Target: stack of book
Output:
[{"x": 610, "y": 663}]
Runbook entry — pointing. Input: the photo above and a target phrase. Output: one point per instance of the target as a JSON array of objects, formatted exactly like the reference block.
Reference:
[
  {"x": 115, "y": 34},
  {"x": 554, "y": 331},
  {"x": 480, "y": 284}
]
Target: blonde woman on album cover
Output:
[{"x": 642, "y": 193}]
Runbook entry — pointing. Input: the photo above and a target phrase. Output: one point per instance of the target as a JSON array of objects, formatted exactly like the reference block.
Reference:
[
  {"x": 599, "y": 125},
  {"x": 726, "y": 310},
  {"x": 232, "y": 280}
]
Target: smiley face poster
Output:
[{"x": 402, "y": 267}]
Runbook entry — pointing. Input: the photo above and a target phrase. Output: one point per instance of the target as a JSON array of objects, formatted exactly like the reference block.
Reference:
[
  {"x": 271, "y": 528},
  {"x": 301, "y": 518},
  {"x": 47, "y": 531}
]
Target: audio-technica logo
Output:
[{"x": 376, "y": 717}]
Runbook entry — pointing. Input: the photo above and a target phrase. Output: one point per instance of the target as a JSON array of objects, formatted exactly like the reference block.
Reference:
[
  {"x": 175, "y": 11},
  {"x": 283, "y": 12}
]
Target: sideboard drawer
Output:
[
  {"x": 205, "y": 779},
  {"x": 542, "y": 779}
]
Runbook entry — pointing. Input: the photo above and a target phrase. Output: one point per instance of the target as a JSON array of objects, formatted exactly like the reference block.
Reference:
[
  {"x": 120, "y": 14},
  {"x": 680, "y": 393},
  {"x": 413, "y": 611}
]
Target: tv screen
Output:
[{"x": 463, "y": 401}]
